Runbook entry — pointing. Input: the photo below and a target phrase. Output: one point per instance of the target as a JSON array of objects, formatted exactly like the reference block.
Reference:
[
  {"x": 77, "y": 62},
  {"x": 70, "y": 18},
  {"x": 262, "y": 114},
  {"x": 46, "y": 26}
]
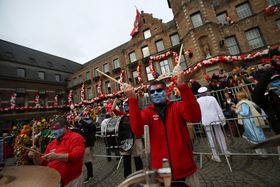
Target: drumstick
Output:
[
  {"x": 180, "y": 54},
  {"x": 33, "y": 150},
  {"x": 113, "y": 79}
]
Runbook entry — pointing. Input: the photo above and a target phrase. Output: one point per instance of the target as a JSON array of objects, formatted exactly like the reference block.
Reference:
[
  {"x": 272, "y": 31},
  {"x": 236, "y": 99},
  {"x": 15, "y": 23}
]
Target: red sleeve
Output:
[
  {"x": 77, "y": 148},
  {"x": 189, "y": 106},
  {"x": 137, "y": 118},
  {"x": 119, "y": 113}
]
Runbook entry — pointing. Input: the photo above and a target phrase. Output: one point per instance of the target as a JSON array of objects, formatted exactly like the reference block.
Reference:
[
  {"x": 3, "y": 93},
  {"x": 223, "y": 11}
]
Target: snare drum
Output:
[{"x": 117, "y": 133}]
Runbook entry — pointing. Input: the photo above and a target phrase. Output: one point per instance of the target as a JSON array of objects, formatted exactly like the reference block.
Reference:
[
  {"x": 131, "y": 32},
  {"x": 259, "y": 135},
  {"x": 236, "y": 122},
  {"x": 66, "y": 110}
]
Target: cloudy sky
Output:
[{"x": 79, "y": 30}]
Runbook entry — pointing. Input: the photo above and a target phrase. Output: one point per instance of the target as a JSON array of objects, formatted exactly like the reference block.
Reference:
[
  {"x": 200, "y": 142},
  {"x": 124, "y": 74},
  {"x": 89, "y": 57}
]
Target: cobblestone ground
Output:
[{"x": 247, "y": 170}]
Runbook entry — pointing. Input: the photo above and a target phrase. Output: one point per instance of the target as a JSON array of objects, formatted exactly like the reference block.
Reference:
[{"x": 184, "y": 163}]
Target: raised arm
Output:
[{"x": 137, "y": 118}]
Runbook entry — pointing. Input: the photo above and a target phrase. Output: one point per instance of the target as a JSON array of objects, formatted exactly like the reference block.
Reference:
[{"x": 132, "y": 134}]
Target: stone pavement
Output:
[{"x": 247, "y": 170}]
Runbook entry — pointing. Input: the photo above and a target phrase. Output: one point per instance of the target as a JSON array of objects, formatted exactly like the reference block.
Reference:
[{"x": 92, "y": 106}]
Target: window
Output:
[
  {"x": 21, "y": 97},
  {"x": 96, "y": 73},
  {"x": 175, "y": 39},
  {"x": 160, "y": 46},
  {"x": 96, "y": 90},
  {"x": 32, "y": 60},
  {"x": 89, "y": 93},
  {"x": 132, "y": 57},
  {"x": 273, "y": 2},
  {"x": 20, "y": 72},
  {"x": 118, "y": 86},
  {"x": 106, "y": 68},
  {"x": 80, "y": 79},
  {"x": 243, "y": 10},
  {"x": 147, "y": 33},
  {"x": 232, "y": 46},
  {"x": 254, "y": 38},
  {"x": 50, "y": 64},
  {"x": 196, "y": 20},
  {"x": 149, "y": 74},
  {"x": 75, "y": 81},
  {"x": 134, "y": 76},
  {"x": 57, "y": 77},
  {"x": 108, "y": 87},
  {"x": 164, "y": 67},
  {"x": 116, "y": 63},
  {"x": 145, "y": 51},
  {"x": 183, "y": 62},
  {"x": 222, "y": 18},
  {"x": 88, "y": 75},
  {"x": 41, "y": 75},
  {"x": 278, "y": 24}
]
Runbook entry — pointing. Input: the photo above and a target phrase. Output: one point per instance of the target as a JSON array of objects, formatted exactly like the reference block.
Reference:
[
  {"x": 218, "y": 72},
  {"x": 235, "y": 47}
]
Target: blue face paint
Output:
[
  {"x": 58, "y": 133},
  {"x": 158, "y": 96}
]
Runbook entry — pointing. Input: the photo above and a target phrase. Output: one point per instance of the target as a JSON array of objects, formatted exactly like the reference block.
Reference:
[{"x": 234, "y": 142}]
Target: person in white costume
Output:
[{"x": 211, "y": 111}]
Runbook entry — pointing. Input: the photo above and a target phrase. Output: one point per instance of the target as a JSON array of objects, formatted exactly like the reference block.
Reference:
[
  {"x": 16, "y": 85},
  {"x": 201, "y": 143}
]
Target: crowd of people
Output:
[{"x": 66, "y": 142}]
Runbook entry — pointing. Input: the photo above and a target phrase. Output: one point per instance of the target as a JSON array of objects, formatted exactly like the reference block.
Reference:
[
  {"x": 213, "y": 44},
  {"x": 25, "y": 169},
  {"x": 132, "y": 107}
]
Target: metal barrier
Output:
[
  {"x": 230, "y": 137},
  {"x": 219, "y": 94}
]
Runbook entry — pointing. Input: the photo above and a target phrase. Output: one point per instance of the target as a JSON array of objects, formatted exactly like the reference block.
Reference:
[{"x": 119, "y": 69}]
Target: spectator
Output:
[
  {"x": 211, "y": 111},
  {"x": 252, "y": 123}
]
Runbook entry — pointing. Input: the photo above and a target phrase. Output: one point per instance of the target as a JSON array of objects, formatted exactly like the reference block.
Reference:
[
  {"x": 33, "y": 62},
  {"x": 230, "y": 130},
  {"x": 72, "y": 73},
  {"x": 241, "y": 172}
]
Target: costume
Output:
[
  {"x": 252, "y": 126},
  {"x": 169, "y": 137},
  {"x": 73, "y": 144},
  {"x": 211, "y": 111}
]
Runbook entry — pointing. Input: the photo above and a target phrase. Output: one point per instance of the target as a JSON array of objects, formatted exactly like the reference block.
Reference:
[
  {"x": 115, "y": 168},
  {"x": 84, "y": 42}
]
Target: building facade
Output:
[
  {"x": 154, "y": 38},
  {"x": 225, "y": 27},
  {"x": 28, "y": 73}
]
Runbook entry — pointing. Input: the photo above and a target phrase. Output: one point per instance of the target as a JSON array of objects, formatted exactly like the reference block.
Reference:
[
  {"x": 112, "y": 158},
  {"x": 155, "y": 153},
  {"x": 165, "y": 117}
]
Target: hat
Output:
[{"x": 202, "y": 89}]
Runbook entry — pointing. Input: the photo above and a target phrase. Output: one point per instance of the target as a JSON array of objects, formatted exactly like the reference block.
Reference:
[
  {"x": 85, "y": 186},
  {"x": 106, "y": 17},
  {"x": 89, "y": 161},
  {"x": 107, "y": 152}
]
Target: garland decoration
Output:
[
  {"x": 13, "y": 101},
  {"x": 82, "y": 92}
]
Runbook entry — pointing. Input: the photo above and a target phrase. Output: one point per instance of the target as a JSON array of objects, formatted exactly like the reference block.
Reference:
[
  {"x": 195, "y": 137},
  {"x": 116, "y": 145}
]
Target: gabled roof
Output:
[{"x": 17, "y": 53}]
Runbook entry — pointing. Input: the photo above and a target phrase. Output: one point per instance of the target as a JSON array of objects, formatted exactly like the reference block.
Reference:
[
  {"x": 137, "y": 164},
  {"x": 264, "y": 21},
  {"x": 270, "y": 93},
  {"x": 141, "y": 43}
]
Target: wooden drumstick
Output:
[
  {"x": 113, "y": 79},
  {"x": 180, "y": 54},
  {"x": 33, "y": 150}
]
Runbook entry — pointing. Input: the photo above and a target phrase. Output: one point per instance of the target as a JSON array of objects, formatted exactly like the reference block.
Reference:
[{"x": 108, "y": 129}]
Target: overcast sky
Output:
[{"x": 78, "y": 30}]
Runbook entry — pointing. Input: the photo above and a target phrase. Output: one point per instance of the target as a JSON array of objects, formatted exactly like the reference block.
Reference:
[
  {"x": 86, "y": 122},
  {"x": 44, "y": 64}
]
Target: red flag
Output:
[{"x": 136, "y": 24}]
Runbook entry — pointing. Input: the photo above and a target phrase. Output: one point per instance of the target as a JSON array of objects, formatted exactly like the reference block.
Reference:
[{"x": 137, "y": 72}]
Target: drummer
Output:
[
  {"x": 137, "y": 149},
  {"x": 64, "y": 154},
  {"x": 169, "y": 135}
]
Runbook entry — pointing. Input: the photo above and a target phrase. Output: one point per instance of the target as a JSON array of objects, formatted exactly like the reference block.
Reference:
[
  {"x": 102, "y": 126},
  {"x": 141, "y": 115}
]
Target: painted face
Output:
[
  {"x": 57, "y": 130},
  {"x": 126, "y": 107},
  {"x": 58, "y": 133},
  {"x": 158, "y": 94}
]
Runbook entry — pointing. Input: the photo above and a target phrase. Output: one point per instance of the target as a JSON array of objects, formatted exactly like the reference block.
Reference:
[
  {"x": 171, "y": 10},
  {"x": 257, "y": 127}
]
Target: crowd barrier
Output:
[
  {"x": 230, "y": 137},
  {"x": 219, "y": 94},
  {"x": 222, "y": 139}
]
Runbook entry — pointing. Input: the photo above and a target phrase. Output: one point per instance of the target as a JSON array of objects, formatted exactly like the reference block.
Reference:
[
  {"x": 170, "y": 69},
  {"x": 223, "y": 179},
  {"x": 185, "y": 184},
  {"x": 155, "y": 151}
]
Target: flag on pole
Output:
[{"x": 136, "y": 24}]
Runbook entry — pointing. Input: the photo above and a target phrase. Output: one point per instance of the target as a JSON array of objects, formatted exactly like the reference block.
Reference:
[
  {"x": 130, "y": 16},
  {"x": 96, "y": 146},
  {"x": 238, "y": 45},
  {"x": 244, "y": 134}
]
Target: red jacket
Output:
[
  {"x": 179, "y": 143},
  {"x": 73, "y": 144}
]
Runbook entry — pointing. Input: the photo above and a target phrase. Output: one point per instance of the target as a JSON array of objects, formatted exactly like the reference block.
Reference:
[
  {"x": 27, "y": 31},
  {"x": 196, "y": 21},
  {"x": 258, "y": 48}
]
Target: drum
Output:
[{"x": 117, "y": 133}]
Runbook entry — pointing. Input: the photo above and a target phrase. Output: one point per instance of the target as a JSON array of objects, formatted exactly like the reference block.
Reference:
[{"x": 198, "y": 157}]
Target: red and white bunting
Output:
[
  {"x": 122, "y": 76},
  {"x": 99, "y": 87},
  {"x": 55, "y": 101},
  {"x": 37, "y": 100},
  {"x": 13, "y": 101},
  {"x": 139, "y": 73},
  {"x": 83, "y": 92}
]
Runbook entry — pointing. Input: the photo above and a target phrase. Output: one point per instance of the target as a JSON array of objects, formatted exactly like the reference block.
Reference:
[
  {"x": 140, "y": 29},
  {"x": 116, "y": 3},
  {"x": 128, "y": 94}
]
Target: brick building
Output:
[
  {"x": 208, "y": 28},
  {"x": 154, "y": 37},
  {"x": 28, "y": 72},
  {"x": 225, "y": 27}
]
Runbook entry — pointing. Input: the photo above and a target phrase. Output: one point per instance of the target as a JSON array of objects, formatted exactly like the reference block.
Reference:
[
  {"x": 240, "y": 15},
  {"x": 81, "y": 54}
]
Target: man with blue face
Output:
[{"x": 169, "y": 136}]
